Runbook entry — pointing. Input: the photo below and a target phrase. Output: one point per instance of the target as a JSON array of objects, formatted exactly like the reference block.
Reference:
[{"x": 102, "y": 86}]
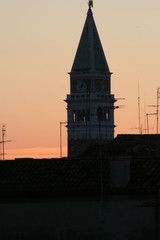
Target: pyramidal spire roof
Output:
[{"x": 90, "y": 55}]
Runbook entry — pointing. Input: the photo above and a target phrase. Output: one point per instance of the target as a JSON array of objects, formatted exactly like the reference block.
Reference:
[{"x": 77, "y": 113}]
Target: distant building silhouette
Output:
[{"x": 90, "y": 104}]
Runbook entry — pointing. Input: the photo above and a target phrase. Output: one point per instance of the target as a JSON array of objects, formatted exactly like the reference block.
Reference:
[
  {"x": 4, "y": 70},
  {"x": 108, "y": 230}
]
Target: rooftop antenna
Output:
[
  {"x": 3, "y": 135},
  {"x": 157, "y": 107},
  {"x": 90, "y": 3},
  {"x": 147, "y": 114},
  {"x": 3, "y": 141},
  {"x": 139, "y": 111}
]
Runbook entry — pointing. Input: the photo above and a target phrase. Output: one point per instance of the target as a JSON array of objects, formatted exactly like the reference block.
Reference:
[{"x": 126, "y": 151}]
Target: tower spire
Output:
[
  {"x": 90, "y": 56},
  {"x": 90, "y": 3}
]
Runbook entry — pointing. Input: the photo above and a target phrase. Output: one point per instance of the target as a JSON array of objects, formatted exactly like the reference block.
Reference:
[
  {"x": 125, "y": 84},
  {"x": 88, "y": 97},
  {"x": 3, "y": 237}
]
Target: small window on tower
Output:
[
  {"x": 107, "y": 115},
  {"x": 74, "y": 116}
]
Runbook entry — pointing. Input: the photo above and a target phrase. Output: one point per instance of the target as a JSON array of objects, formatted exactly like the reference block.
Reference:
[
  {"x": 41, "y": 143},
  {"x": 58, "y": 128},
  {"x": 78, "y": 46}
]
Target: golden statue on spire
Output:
[{"x": 90, "y": 3}]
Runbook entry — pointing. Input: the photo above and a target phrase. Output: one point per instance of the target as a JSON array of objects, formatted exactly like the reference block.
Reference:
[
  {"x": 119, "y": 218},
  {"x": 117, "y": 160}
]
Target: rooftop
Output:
[{"x": 81, "y": 176}]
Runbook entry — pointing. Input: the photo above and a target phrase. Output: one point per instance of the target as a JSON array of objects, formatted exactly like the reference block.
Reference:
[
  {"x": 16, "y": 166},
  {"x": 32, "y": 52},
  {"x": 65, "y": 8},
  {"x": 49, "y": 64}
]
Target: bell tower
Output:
[{"x": 90, "y": 104}]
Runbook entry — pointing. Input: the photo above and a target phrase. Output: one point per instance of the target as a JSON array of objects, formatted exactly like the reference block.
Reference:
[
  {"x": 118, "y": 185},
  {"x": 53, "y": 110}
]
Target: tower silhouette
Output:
[{"x": 90, "y": 104}]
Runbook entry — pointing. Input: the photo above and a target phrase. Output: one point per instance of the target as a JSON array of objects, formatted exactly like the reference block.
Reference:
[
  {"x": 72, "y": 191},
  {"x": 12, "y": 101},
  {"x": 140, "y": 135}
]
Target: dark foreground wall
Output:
[{"x": 79, "y": 219}]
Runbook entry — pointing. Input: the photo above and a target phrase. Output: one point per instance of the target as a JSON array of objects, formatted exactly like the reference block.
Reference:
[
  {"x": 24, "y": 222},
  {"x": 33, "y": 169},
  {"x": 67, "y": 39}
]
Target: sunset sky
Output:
[{"x": 38, "y": 42}]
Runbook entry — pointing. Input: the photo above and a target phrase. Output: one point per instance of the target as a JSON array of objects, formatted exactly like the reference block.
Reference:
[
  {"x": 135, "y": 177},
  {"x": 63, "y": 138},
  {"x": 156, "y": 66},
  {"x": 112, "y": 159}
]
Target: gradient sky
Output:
[{"x": 38, "y": 42}]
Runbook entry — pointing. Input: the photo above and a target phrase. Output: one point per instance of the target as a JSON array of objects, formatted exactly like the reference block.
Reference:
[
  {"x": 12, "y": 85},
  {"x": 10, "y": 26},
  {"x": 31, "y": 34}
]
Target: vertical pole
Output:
[
  {"x": 147, "y": 123},
  {"x": 139, "y": 113},
  {"x": 145, "y": 117},
  {"x": 60, "y": 139},
  {"x": 3, "y": 134}
]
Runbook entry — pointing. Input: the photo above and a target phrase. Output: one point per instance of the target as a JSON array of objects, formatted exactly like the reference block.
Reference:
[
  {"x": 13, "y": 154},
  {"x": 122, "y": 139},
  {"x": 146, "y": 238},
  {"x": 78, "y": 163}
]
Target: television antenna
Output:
[
  {"x": 147, "y": 114},
  {"x": 157, "y": 107},
  {"x": 4, "y": 141},
  {"x": 139, "y": 111}
]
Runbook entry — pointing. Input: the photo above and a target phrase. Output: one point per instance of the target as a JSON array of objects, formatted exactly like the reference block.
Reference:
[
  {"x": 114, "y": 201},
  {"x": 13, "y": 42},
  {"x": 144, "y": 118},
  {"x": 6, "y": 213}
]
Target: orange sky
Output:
[{"x": 38, "y": 44}]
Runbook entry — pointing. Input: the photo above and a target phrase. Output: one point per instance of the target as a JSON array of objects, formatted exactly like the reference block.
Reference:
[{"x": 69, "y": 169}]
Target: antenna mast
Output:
[
  {"x": 147, "y": 114},
  {"x": 139, "y": 111},
  {"x": 3, "y": 135},
  {"x": 3, "y": 141},
  {"x": 157, "y": 107}
]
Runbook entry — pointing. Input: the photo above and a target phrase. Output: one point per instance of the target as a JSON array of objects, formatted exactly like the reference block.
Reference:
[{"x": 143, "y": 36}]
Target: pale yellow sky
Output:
[{"x": 39, "y": 39}]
